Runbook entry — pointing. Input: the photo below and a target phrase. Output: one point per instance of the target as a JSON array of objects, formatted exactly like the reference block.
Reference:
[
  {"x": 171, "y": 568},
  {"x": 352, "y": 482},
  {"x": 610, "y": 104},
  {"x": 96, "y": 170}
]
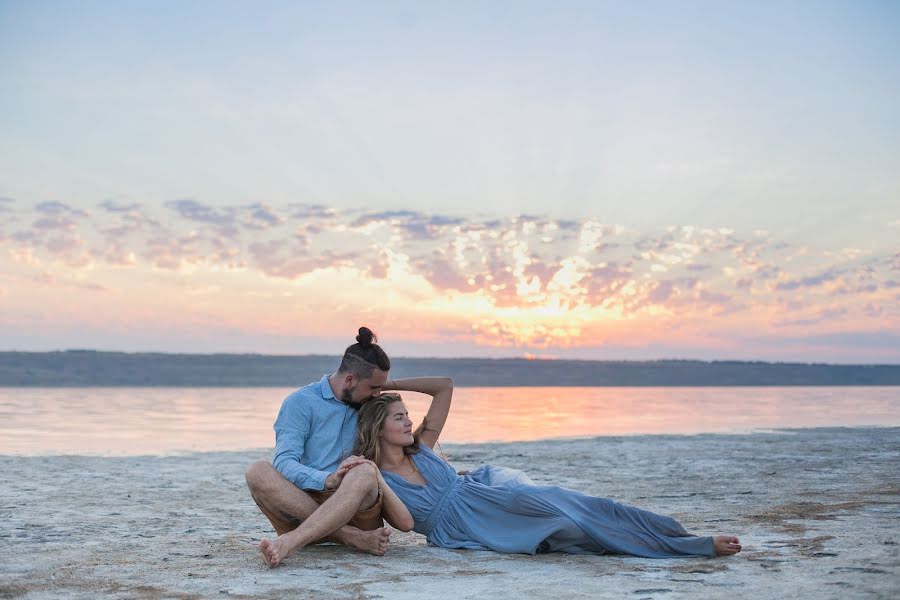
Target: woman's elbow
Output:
[{"x": 405, "y": 524}]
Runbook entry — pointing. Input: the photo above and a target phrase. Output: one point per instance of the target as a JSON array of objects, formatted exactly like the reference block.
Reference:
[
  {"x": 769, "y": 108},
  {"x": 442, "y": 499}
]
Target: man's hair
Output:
[{"x": 364, "y": 356}]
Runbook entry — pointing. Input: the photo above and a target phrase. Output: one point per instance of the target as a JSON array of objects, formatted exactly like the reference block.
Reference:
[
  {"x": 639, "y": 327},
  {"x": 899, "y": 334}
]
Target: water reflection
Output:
[{"x": 122, "y": 421}]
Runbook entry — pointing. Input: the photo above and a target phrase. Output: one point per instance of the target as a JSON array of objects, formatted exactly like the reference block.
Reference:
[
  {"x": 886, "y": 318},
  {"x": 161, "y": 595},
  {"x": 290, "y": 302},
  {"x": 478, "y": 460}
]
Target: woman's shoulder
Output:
[
  {"x": 426, "y": 458},
  {"x": 421, "y": 448}
]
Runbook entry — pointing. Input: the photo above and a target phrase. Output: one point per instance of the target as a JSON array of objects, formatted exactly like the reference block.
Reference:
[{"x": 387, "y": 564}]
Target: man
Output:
[{"x": 314, "y": 435}]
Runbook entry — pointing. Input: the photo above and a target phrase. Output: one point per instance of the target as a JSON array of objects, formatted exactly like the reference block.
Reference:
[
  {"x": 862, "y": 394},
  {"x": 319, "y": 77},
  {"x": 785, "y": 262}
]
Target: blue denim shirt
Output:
[{"x": 314, "y": 432}]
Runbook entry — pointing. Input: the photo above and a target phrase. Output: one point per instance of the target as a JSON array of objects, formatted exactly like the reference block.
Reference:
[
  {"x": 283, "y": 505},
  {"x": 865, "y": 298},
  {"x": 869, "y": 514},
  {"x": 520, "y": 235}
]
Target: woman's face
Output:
[{"x": 397, "y": 428}]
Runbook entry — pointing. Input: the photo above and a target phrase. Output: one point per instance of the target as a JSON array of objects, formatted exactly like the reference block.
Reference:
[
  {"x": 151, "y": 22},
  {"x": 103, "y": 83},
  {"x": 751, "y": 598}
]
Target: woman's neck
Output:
[{"x": 391, "y": 456}]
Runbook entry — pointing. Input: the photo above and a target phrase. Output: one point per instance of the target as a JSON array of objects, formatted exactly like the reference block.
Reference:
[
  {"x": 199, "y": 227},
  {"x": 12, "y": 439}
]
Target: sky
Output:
[{"x": 601, "y": 180}]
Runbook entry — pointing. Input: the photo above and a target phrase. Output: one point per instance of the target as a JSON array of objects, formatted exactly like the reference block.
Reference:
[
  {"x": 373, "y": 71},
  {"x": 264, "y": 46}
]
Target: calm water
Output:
[{"x": 120, "y": 421}]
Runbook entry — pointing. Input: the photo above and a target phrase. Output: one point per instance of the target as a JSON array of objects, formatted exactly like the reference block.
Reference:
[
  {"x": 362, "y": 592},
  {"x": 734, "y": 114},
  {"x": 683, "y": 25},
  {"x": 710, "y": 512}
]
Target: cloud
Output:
[
  {"x": 64, "y": 244},
  {"x": 260, "y": 217},
  {"x": 516, "y": 270},
  {"x": 59, "y": 208},
  {"x": 116, "y": 207},
  {"x": 277, "y": 259},
  {"x": 765, "y": 271},
  {"x": 24, "y": 237},
  {"x": 296, "y": 266},
  {"x": 441, "y": 272},
  {"x": 118, "y": 254},
  {"x": 805, "y": 282},
  {"x": 57, "y": 222},
  {"x": 378, "y": 266},
  {"x": 660, "y": 243},
  {"x": 6, "y": 204},
  {"x": 172, "y": 253},
  {"x": 679, "y": 295},
  {"x": 262, "y": 251},
  {"x": 386, "y": 216},
  {"x": 70, "y": 249},
  {"x": 203, "y": 213},
  {"x": 496, "y": 332},
  {"x": 662, "y": 291},
  {"x": 698, "y": 267},
  {"x": 714, "y": 298},
  {"x": 863, "y": 340},
  {"x": 44, "y": 278},
  {"x": 129, "y": 219},
  {"x": 604, "y": 283},
  {"x": 415, "y": 224},
  {"x": 254, "y": 217},
  {"x": 819, "y": 316},
  {"x": 894, "y": 262},
  {"x": 310, "y": 211}
]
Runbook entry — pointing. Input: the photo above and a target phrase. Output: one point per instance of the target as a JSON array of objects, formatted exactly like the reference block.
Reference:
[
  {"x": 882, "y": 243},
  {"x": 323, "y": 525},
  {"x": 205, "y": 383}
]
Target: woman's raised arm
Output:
[{"x": 441, "y": 391}]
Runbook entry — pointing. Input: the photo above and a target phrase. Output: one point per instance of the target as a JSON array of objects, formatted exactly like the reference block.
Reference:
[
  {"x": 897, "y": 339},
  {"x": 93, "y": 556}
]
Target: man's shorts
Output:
[{"x": 366, "y": 520}]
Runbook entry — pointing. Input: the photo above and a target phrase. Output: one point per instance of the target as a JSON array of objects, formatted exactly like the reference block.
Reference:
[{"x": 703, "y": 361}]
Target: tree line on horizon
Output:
[{"x": 90, "y": 368}]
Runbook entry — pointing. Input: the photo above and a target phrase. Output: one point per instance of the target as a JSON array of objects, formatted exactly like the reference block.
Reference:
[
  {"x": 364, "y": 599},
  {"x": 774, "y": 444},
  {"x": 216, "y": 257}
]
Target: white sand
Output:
[{"x": 816, "y": 510}]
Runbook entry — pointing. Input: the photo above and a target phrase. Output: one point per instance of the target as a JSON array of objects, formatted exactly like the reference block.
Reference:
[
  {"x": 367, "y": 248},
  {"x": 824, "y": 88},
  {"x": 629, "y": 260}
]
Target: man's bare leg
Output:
[
  {"x": 358, "y": 490},
  {"x": 287, "y": 506}
]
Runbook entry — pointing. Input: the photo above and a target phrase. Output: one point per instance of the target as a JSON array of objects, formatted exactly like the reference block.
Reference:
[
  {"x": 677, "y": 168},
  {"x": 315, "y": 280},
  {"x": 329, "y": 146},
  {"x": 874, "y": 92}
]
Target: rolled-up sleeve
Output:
[{"x": 291, "y": 433}]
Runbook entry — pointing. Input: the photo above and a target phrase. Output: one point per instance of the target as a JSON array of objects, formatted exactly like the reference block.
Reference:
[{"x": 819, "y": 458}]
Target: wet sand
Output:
[{"x": 817, "y": 511}]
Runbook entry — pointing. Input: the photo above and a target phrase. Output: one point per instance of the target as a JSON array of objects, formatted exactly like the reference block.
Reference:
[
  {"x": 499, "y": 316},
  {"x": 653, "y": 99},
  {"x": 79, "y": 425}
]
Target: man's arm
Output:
[{"x": 291, "y": 433}]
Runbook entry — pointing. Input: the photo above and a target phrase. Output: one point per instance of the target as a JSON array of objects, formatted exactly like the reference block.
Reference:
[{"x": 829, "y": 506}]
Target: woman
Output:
[{"x": 500, "y": 509}]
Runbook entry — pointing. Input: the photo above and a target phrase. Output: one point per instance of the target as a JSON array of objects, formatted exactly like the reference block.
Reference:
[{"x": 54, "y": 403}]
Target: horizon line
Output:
[{"x": 525, "y": 358}]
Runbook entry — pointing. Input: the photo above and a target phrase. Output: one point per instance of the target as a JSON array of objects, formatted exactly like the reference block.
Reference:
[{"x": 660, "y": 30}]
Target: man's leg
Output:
[
  {"x": 358, "y": 491},
  {"x": 287, "y": 506}
]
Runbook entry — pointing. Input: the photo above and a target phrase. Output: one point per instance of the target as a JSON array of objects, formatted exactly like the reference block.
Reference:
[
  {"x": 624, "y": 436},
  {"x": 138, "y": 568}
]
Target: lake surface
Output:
[{"x": 136, "y": 421}]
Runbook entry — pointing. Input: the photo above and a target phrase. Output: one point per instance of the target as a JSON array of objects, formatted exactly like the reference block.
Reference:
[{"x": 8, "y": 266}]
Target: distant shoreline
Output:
[{"x": 89, "y": 368}]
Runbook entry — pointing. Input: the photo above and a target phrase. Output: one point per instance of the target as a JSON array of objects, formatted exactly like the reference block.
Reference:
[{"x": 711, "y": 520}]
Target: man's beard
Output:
[{"x": 347, "y": 398}]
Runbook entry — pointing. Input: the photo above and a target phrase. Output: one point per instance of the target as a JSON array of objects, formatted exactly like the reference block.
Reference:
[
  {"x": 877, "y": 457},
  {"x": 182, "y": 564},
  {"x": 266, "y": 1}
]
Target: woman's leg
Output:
[{"x": 614, "y": 527}]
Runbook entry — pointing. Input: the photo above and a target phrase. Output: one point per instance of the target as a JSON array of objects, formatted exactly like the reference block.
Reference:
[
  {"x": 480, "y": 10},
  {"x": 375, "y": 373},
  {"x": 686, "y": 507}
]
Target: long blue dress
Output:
[{"x": 499, "y": 509}]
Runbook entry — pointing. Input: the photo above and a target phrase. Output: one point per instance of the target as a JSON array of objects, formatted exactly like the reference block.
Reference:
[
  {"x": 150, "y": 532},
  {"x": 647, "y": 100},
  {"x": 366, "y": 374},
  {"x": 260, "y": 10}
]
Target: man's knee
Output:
[
  {"x": 258, "y": 473},
  {"x": 363, "y": 475}
]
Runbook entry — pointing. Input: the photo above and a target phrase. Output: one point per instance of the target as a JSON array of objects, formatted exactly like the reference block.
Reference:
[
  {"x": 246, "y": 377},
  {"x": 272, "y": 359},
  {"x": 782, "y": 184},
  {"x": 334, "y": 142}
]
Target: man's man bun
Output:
[
  {"x": 366, "y": 337},
  {"x": 364, "y": 356}
]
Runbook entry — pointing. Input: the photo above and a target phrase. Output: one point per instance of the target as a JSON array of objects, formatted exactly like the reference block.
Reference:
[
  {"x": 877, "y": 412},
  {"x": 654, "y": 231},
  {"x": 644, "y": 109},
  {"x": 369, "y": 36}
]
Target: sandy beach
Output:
[{"x": 816, "y": 510}]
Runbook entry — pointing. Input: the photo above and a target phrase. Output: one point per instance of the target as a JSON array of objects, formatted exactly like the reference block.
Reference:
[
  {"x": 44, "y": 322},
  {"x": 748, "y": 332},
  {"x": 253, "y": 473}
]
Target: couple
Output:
[{"x": 346, "y": 457}]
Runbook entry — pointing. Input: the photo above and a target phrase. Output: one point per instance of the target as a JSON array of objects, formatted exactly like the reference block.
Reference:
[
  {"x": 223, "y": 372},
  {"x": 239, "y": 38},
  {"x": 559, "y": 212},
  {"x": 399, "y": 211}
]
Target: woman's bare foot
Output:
[
  {"x": 374, "y": 541},
  {"x": 726, "y": 545}
]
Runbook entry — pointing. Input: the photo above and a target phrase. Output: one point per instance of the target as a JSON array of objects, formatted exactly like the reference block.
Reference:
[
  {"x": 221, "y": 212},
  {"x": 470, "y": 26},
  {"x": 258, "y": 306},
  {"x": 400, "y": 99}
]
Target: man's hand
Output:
[{"x": 333, "y": 481}]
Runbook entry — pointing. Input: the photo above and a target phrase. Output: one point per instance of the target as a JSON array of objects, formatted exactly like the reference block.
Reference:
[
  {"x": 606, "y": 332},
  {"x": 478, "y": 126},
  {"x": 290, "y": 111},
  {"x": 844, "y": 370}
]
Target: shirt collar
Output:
[{"x": 325, "y": 388}]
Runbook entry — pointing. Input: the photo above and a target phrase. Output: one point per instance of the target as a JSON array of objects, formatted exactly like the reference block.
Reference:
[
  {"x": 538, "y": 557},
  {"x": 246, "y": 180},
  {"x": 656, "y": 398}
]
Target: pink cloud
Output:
[{"x": 680, "y": 276}]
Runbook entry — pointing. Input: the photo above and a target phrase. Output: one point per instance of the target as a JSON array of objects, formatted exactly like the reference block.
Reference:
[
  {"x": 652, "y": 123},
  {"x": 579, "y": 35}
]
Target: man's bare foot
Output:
[
  {"x": 726, "y": 545},
  {"x": 374, "y": 541},
  {"x": 273, "y": 551}
]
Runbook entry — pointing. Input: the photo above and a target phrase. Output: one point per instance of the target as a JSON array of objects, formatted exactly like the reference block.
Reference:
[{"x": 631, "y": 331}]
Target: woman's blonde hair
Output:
[{"x": 372, "y": 415}]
